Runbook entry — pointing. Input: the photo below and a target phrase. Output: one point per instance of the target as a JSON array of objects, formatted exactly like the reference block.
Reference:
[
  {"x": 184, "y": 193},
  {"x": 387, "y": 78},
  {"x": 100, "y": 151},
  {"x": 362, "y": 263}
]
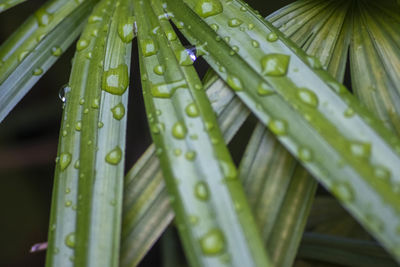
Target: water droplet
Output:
[
  {"x": 201, "y": 191},
  {"x": 159, "y": 70},
  {"x": 114, "y": 156},
  {"x": 126, "y": 30},
  {"x": 186, "y": 56},
  {"x": 65, "y": 160},
  {"x": 37, "y": 71},
  {"x": 229, "y": 170},
  {"x": 304, "y": 154},
  {"x": 70, "y": 240},
  {"x": 68, "y": 203},
  {"x": 179, "y": 130},
  {"x": 308, "y": 97},
  {"x": 81, "y": 101},
  {"x": 56, "y": 51},
  {"x": 251, "y": 26},
  {"x": 190, "y": 155},
  {"x": 255, "y": 43},
  {"x": 343, "y": 191},
  {"x": 264, "y": 89},
  {"x": 381, "y": 172},
  {"x": 193, "y": 219},
  {"x": 192, "y": 110},
  {"x": 177, "y": 152},
  {"x": 96, "y": 103},
  {"x": 314, "y": 62},
  {"x": 100, "y": 124},
  {"x": 213, "y": 242},
  {"x": 94, "y": 19},
  {"x": 78, "y": 125},
  {"x": 171, "y": 35},
  {"x": 243, "y": 9},
  {"x": 207, "y": 8},
  {"x": 275, "y": 64},
  {"x": 118, "y": 111},
  {"x": 272, "y": 37},
  {"x": 349, "y": 112},
  {"x": 214, "y": 26},
  {"x": 234, "y": 82},
  {"x": 82, "y": 44},
  {"x": 234, "y": 22},
  {"x": 360, "y": 149},
  {"x": 77, "y": 163},
  {"x": 278, "y": 127},
  {"x": 67, "y": 190},
  {"x": 166, "y": 90},
  {"x": 337, "y": 87},
  {"x": 23, "y": 55},
  {"x": 116, "y": 80},
  {"x": 43, "y": 17},
  {"x": 149, "y": 47}
]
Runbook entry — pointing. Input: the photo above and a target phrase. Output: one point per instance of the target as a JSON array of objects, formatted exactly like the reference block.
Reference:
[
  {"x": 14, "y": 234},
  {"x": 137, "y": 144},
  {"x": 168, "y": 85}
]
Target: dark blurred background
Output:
[{"x": 28, "y": 142}]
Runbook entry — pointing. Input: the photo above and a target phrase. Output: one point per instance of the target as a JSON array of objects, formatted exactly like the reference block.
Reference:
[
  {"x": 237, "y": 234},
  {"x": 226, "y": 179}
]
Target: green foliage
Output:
[{"x": 286, "y": 70}]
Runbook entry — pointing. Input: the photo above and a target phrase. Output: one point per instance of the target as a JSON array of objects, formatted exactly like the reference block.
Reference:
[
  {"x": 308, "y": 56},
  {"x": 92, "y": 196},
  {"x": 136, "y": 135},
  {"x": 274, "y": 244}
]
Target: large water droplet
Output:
[
  {"x": 70, "y": 240},
  {"x": 43, "y": 17},
  {"x": 207, "y": 8},
  {"x": 278, "y": 127},
  {"x": 213, "y": 242},
  {"x": 192, "y": 110},
  {"x": 65, "y": 160},
  {"x": 159, "y": 70},
  {"x": 272, "y": 37},
  {"x": 235, "y": 22},
  {"x": 264, "y": 89},
  {"x": 126, "y": 29},
  {"x": 114, "y": 156},
  {"x": 116, "y": 80},
  {"x": 201, "y": 191},
  {"x": 82, "y": 44},
  {"x": 275, "y": 64},
  {"x": 149, "y": 47},
  {"x": 308, "y": 97},
  {"x": 118, "y": 111},
  {"x": 186, "y": 56},
  {"x": 179, "y": 130},
  {"x": 23, "y": 55},
  {"x": 234, "y": 82}
]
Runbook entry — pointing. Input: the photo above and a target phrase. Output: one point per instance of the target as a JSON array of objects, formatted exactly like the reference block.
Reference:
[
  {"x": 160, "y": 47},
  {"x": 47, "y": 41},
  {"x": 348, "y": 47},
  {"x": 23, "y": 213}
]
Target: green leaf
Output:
[
  {"x": 308, "y": 110},
  {"x": 96, "y": 103},
  {"x": 36, "y": 46},
  {"x": 6, "y": 4},
  {"x": 213, "y": 217},
  {"x": 146, "y": 211}
]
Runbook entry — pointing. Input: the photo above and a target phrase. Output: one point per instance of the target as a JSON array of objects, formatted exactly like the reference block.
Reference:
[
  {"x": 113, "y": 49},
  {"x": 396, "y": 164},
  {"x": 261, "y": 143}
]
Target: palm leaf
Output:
[
  {"x": 306, "y": 110},
  {"x": 214, "y": 221}
]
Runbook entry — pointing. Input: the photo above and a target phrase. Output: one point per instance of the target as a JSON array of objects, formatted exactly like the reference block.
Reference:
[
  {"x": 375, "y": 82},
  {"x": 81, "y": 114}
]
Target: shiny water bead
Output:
[
  {"x": 272, "y": 37},
  {"x": 234, "y": 82},
  {"x": 343, "y": 191},
  {"x": 166, "y": 90},
  {"x": 190, "y": 155},
  {"x": 171, "y": 35},
  {"x": 82, "y": 44},
  {"x": 185, "y": 56},
  {"x": 207, "y": 8},
  {"x": 43, "y": 17},
  {"x": 37, "y": 71},
  {"x": 65, "y": 160},
  {"x": 56, "y": 51},
  {"x": 251, "y": 26},
  {"x": 95, "y": 103},
  {"x": 212, "y": 243},
  {"x": 100, "y": 124},
  {"x": 304, "y": 154},
  {"x": 214, "y": 26},
  {"x": 177, "y": 152},
  {"x": 235, "y": 48},
  {"x": 255, "y": 43},
  {"x": 263, "y": 89},
  {"x": 360, "y": 149},
  {"x": 307, "y": 97},
  {"x": 81, "y": 101},
  {"x": 78, "y": 125},
  {"x": 23, "y": 55},
  {"x": 118, "y": 111},
  {"x": 229, "y": 170},
  {"x": 70, "y": 240},
  {"x": 77, "y": 164},
  {"x": 278, "y": 127},
  {"x": 126, "y": 29},
  {"x": 94, "y": 19},
  {"x": 159, "y": 70},
  {"x": 235, "y": 22},
  {"x": 201, "y": 191},
  {"x": 314, "y": 62},
  {"x": 148, "y": 47},
  {"x": 114, "y": 156},
  {"x": 275, "y": 64},
  {"x": 179, "y": 130},
  {"x": 115, "y": 80},
  {"x": 349, "y": 112},
  {"x": 192, "y": 110}
]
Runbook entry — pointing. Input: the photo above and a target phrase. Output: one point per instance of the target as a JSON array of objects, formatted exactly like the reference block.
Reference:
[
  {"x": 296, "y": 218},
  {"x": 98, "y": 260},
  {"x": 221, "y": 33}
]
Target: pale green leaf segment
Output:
[
  {"x": 35, "y": 46},
  {"x": 146, "y": 208},
  {"x": 354, "y": 156},
  {"x": 6, "y": 4},
  {"x": 87, "y": 199},
  {"x": 214, "y": 220}
]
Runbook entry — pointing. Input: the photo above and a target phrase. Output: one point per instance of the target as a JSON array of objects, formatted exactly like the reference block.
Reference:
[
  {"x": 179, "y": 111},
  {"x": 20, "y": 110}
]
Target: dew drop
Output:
[
  {"x": 201, "y": 191},
  {"x": 272, "y": 37},
  {"x": 23, "y": 55},
  {"x": 349, "y": 112},
  {"x": 149, "y": 47},
  {"x": 255, "y": 43},
  {"x": 82, "y": 44},
  {"x": 159, "y": 70},
  {"x": 229, "y": 170},
  {"x": 96, "y": 103},
  {"x": 314, "y": 62},
  {"x": 70, "y": 240},
  {"x": 308, "y": 97},
  {"x": 343, "y": 191},
  {"x": 94, "y": 19},
  {"x": 193, "y": 219},
  {"x": 68, "y": 203},
  {"x": 100, "y": 124},
  {"x": 304, "y": 154},
  {"x": 43, "y": 17},
  {"x": 190, "y": 155},
  {"x": 264, "y": 89},
  {"x": 278, "y": 127},
  {"x": 234, "y": 82},
  {"x": 56, "y": 51},
  {"x": 126, "y": 29},
  {"x": 234, "y": 22},
  {"x": 177, "y": 152},
  {"x": 214, "y": 26},
  {"x": 275, "y": 64},
  {"x": 171, "y": 35},
  {"x": 192, "y": 110},
  {"x": 382, "y": 173},
  {"x": 115, "y": 80},
  {"x": 77, "y": 163},
  {"x": 114, "y": 156},
  {"x": 213, "y": 242},
  {"x": 78, "y": 125},
  {"x": 179, "y": 130},
  {"x": 207, "y": 8},
  {"x": 186, "y": 56},
  {"x": 118, "y": 111},
  {"x": 65, "y": 160},
  {"x": 360, "y": 149},
  {"x": 37, "y": 71}
]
